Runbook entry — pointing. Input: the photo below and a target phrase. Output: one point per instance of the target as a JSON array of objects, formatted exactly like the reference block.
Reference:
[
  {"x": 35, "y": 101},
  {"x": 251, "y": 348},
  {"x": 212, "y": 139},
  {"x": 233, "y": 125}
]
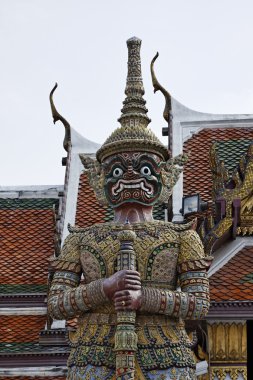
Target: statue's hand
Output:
[
  {"x": 121, "y": 280},
  {"x": 127, "y": 300}
]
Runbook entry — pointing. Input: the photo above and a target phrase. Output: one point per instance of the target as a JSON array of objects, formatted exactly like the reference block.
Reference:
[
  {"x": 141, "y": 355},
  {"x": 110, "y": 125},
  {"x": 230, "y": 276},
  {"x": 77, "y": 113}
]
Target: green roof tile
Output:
[
  {"x": 20, "y": 288},
  {"x": 28, "y": 203},
  {"x": 109, "y": 215},
  {"x": 22, "y": 348},
  {"x": 158, "y": 212},
  {"x": 247, "y": 278},
  {"x": 231, "y": 151}
]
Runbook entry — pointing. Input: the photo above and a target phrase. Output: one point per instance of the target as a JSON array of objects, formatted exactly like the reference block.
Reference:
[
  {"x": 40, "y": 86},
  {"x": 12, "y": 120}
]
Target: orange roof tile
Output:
[
  {"x": 26, "y": 242},
  {"x": 197, "y": 173},
  {"x": 88, "y": 210},
  {"x": 72, "y": 323},
  {"x": 234, "y": 281},
  {"x": 21, "y": 328}
]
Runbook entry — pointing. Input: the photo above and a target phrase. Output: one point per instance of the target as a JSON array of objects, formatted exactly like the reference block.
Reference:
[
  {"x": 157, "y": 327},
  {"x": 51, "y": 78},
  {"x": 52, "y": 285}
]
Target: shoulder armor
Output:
[
  {"x": 76, "y": 229},
  {"x": 191, "y": 247},
  {"x": 69, "y": 259},
  {"x": 180, "y": 227}
]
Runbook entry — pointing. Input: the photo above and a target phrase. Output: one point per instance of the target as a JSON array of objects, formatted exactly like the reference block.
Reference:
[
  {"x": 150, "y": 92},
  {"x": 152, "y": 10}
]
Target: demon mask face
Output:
[{"x": 132, "y": 177}]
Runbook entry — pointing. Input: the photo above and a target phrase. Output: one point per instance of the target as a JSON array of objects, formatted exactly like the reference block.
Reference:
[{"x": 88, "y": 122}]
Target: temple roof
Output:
[
  {"x": 28, "y": 237},
  {"x": 27, "y": 233},
  {"x": 232, "y": 144},
  {"x": 20, "y": 329},
  {"x": 234, "y": 281},
  {"x": 231, "y": 151},
  {"x": 88, "y": 210}
]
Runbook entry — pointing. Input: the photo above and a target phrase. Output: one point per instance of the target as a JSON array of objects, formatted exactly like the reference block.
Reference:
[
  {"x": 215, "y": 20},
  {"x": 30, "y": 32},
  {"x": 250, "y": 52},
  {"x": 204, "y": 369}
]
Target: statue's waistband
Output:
[{"x": 141, "y": 320}]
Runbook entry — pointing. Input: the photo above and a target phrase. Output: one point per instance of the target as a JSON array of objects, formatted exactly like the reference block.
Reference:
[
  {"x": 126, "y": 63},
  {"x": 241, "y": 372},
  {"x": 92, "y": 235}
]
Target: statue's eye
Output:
[
  {"x": 145, "y": 170},
  {"x": 117, "y": 172}
]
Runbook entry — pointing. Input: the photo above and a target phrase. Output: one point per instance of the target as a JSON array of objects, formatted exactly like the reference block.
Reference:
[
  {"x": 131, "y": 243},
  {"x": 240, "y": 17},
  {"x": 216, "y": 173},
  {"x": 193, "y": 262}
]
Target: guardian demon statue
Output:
[{"x": 142, "y": 277}]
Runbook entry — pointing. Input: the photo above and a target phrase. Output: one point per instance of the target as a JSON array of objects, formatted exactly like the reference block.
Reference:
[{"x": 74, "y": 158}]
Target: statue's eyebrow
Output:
[
  {"x": 115, "y": 160},
  {"x": 146, "y": 158}
]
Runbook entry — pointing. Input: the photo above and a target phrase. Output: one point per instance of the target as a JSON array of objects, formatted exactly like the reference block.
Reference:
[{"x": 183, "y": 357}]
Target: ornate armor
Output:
[{"x": 168, "y": 256}]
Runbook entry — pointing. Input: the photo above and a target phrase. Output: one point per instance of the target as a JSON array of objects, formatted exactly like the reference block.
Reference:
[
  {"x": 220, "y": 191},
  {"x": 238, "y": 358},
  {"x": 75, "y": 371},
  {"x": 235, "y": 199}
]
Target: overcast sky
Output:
[{"x": 206, "y": 62}]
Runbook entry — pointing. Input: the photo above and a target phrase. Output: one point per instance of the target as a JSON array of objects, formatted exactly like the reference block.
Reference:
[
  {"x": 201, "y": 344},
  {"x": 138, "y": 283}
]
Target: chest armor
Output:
[
  {"x": 162, "y": 341},
  {"x": 156, "y": 248}
]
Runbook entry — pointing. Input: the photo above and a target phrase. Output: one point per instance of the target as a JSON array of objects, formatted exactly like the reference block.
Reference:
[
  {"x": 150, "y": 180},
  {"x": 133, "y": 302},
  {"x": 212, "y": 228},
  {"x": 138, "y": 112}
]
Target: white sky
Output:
[{"x": 206, "y": 62}]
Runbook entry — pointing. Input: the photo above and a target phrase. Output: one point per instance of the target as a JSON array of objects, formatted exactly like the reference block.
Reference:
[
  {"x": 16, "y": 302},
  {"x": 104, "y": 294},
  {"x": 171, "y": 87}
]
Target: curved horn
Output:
[
  {"x": 158, "y": 87},
  {"x": 57, "y": 116}
]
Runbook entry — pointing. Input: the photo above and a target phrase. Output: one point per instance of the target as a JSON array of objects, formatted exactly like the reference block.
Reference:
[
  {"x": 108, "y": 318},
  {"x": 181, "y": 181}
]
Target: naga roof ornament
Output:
[
  {"x": 58, "y": 117},
  {"x": 133, "y": 132}
]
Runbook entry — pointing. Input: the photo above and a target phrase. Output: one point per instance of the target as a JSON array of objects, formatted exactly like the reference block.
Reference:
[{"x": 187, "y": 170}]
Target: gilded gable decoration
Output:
[{"x": 233, "y": 198}]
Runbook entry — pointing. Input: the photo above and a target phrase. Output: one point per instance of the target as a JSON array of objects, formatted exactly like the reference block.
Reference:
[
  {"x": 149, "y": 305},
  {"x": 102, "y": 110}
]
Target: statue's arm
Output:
[
  {"x": 67, "y": 298},
  {"x": 192, "y": 301}
]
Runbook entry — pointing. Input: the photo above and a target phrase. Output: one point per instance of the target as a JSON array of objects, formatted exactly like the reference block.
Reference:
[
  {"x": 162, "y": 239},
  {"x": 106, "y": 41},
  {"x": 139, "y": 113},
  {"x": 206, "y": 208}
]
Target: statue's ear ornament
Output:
[
  {"x": 170, "y": 173},
  {"x": 95, "y": 176}
]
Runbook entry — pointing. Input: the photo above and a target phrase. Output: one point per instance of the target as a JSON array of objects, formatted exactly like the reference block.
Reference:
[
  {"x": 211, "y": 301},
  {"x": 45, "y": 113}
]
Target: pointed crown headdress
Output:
[{"x": 133, "y": 133}]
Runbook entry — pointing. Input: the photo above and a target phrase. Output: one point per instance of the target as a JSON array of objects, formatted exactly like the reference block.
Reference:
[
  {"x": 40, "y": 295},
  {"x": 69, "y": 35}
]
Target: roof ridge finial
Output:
[{"x": 134, "y": 112}]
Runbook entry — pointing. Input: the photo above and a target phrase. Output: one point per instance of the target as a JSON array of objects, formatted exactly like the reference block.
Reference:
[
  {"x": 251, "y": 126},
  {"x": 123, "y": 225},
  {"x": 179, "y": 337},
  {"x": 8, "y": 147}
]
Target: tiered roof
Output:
[
  {"x": 230, "y": 286},
  {"x": 28, "y": 236}
]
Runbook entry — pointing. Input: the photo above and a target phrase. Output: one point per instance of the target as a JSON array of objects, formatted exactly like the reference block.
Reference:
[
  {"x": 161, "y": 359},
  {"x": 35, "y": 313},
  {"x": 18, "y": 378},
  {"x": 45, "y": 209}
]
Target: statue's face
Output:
[{"x": 132, "y": 177}]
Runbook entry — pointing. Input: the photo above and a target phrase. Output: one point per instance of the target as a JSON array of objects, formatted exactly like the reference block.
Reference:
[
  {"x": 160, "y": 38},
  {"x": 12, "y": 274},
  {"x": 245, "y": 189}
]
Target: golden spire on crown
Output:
[
  {"x": 133, "y": 135},
  {"x": 134, "y": 112}
]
